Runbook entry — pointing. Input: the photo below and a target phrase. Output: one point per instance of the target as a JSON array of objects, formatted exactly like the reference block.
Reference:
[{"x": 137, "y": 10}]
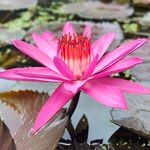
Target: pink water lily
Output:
[{"x": 78, "y": 65}]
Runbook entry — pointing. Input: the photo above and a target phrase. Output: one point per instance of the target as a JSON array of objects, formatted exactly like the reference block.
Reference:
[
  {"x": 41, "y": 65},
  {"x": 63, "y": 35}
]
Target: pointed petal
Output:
[
  {"x": 35, "y": 53},
  {"x": 124, "y": 85},
  {"x": 11, "y": 74},
  {"x": 63, "y": 68},
  {"x": 120, "y": 66},
  {"x": 69, "y": 29},
  {"x": 106, "y": 95},
  {"x": 91, "y": 67},
  {"x": 45, "y": 46},
  {"x": 51, "y": 39},
  {"x": 49, "y": 36},
  {"x": 87, "y": 31},
  {"x": 40, "y": 72},
  {"x": 102, "y": 44},
  {"x": 55, "y": 102},
  {"x": 118, "y": 54}
]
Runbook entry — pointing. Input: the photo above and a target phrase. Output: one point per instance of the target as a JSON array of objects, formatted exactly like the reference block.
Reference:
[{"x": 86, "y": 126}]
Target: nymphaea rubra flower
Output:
[{"x": 78, "y": 65}]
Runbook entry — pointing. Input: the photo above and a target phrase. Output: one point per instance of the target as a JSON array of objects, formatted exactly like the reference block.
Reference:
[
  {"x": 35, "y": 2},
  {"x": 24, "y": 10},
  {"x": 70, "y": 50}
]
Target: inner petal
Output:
[{"x": 75, "y": 51}]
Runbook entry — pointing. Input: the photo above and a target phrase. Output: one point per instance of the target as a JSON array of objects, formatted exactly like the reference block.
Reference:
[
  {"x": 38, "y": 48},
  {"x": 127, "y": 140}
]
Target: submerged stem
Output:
[{"x": 70, "y": 112}]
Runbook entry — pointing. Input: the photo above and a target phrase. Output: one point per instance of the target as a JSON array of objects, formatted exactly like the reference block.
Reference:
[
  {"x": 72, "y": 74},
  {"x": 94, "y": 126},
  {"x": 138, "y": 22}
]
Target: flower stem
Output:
[
  {"x": 70, "y": 112},
  {"x": 73, "y": 105}
]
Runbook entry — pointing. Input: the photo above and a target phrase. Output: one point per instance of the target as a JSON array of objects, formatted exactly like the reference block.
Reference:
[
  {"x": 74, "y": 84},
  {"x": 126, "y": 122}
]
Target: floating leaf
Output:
[
  {"x": 6, "y": 140},
  {"x": 19, "y": 110},
  {"x": 98, "y": 10},
  {"x": 145, "y": 20},
  {"x": 123, "y": 139},
  {"x": 16, "y": 4},
  {"x": 136, "y": 118},
  {"x": 7, "y": 35}
]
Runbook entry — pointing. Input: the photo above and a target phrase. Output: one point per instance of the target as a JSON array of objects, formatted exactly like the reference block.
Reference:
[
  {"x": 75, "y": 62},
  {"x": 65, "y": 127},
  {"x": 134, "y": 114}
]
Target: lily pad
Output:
[
  {"x": 6, "y": 140},
  {"x": 7, "y": 35},
  {"x": 98, "y": 10},
  {"x": 16, "y": 4},
  {"x": 145, "y": 20},
  {"x": 136, "y": 118},
  {"x": 19, "y": 110},
  {"x": 123, "y": 139}
]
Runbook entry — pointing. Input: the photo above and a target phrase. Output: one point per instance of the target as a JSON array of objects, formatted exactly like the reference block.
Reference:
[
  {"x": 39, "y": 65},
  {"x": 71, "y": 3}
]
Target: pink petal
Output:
[
  {"x": 69, "y": 29},
  {"x": 120, "y": 66},
  {"x": 105, "y": 94},
  {"x": 56, "y": 101},
  {"x": 51, "y": 39},
  {"x": 11, "y": 74},
  {"x": 45, "y": 46},
  {"x": 40, "y": 72},
  {"x": 35, "y": 53},
  {"x": 118, "y": 54},
  {"x": 124, "y": 85},
  {"x": 49, "y": 36},
  {"x": 74, "y": 86},
  {"x": 91, "y": 67},
  {"x": 87, "y": 31},
  {"x": 63, "y": 68},
  {"x": 102, "y": 44}
]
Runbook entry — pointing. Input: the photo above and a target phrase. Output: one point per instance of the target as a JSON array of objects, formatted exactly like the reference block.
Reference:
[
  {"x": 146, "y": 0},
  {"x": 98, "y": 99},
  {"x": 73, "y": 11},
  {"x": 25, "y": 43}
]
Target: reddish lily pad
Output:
[
  {"x": 6, "y": 140},
  {"x": 123, "y": 139},
  {"x": 19, "y": 110}
]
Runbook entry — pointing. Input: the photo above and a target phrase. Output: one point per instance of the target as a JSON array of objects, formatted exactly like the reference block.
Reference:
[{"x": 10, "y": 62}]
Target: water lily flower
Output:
[{"x": 78, "y": 65}]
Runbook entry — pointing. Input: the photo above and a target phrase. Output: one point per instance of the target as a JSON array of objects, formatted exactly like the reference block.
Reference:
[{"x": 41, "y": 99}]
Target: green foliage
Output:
[
  {"x": 131, "y": 28},
  {"x": 38, "y": 15}
]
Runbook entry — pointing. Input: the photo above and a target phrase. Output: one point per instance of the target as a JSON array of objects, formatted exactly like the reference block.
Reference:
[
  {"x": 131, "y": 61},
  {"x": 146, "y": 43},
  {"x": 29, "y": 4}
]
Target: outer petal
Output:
[
  {"x": 48, "y": 48},
  {"x": 118, "y": 54},
  {"x": 120, "y": 66},
  {"x": 102, "y": 44},
  {"x": 11, "y": 74},
  {"x": 87, "y": 31},
  {"x": 69, "y": 29},
  {"x": 35, "y": 53},
  {"x": 105, "y": 94},
  {"x": 56, "y": 101},
  {"x": 40, "y": 72},
  {"x": 63, "y": 68},
  {"x": 124, "y": 85}
]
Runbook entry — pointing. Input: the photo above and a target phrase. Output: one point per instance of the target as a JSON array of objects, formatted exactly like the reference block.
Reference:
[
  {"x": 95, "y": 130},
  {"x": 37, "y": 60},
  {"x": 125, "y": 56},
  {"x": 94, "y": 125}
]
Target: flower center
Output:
[{"x": 75, "y": 51}]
